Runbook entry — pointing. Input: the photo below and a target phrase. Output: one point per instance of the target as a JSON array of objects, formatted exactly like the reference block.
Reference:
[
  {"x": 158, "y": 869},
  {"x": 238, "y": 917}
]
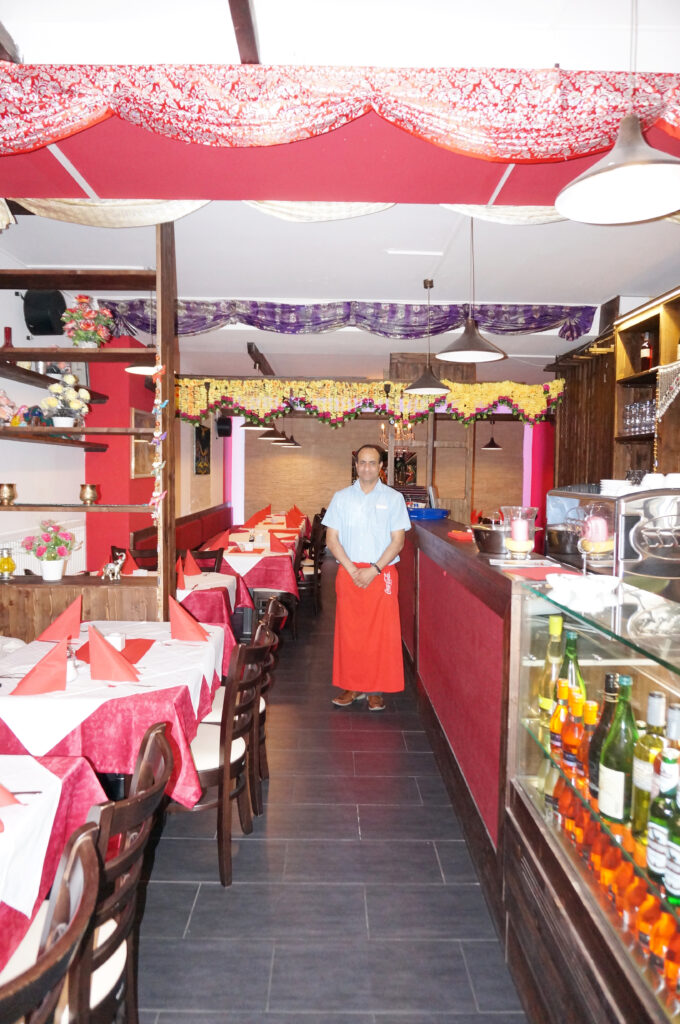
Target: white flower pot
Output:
[
  {"x": 86, "y": 344},
  {"x": 52, "y": 571},
  {"x": 63, "y": 421}
]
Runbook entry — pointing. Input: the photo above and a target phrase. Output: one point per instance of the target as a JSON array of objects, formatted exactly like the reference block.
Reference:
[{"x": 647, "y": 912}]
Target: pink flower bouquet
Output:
[{"x": 51, "y": 543}]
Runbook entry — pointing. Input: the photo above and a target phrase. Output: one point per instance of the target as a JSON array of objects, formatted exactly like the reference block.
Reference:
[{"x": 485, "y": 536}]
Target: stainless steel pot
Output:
[{"x": 490, "y": 540}]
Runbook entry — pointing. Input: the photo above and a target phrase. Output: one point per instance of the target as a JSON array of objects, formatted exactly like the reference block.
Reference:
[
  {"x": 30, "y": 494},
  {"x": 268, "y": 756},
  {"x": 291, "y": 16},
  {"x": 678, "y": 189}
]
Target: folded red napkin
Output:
[
  {"x": 277, "y": 545},
  {"x": 67, "y": 625},
  {"x": 47, "y": 676},
  {"x": 7, "y": 798},
  {"x": 184, "y": 626},
  {"x": 221, "y": 541},
  {"x": 190, "y": 566},
  {"x": 135, "y": 649},
  {"x": 460, "y": 534},
  {"x": 129, "y": 565},
  {"x": 256, "y": 518},
  {"x": 180, "y": 574},
  {"x": 106, "y": 663}
]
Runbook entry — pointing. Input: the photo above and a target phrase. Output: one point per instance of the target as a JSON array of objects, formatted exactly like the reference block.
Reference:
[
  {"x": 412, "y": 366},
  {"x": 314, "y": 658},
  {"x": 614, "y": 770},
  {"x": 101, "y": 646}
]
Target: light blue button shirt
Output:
[{"x": 365, "y": 521}]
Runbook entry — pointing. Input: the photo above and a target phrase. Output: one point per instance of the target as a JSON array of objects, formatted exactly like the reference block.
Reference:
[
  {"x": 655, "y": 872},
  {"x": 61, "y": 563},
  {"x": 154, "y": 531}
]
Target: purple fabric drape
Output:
[{"x": 386, "y": 319}]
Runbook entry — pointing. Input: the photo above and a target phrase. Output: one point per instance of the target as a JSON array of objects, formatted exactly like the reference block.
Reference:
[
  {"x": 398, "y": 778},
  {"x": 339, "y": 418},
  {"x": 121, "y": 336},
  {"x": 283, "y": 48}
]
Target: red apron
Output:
[{"x": 367, "y": 650}]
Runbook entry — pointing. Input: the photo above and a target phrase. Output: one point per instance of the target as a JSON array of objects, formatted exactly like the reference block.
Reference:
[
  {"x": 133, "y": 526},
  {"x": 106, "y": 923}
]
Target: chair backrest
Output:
[
  {"x": 144, "y": 559},
  {"x": 34, "y": 993},
  {"x": 275, "y": 615},
  {"x": 209, "y": 561},
  {"x": 124, "y": 830}
]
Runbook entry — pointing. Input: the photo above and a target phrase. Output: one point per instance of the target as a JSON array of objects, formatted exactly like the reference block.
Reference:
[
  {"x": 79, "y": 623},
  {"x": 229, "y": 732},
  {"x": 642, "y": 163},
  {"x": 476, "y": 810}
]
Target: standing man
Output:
[{"x": 366, "y": 524}]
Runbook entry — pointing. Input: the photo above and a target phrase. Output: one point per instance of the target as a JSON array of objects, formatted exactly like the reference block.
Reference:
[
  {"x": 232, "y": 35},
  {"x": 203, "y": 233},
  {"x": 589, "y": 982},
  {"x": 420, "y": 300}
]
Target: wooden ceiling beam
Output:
[{"x": 243, "y": 21}]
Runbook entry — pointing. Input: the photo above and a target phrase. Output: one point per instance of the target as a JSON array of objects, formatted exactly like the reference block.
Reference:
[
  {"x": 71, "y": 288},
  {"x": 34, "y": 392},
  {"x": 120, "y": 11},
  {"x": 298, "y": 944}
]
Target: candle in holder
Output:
[{"x": 519, "y": 529}]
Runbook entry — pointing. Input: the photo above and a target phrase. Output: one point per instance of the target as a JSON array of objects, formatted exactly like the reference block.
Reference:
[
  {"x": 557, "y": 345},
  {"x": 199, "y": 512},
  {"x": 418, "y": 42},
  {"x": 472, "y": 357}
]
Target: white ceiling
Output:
[{"x": 231, "y": 250}]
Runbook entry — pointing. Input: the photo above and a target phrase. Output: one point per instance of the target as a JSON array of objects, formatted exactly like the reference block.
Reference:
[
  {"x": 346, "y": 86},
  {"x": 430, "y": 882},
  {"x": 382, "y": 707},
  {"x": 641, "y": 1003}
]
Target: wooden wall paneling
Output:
[
  {"x": 166, "y": 325},
  {"x": 585, "y": 422}
]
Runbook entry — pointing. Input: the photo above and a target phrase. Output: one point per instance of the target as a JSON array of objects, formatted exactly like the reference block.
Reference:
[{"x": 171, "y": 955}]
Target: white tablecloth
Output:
[
  {"x": 40, "y": 721},
  {"x": 27, "y": 828}
]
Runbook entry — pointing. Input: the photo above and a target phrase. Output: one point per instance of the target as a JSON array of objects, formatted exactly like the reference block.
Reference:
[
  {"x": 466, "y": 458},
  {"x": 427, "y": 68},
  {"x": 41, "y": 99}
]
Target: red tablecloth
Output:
[
  {"x": 80, "y": 789},
  {"x": 272, "y": 572},
  {"x": 111, "y": 736},
  {"x": 213, "y": 606}
]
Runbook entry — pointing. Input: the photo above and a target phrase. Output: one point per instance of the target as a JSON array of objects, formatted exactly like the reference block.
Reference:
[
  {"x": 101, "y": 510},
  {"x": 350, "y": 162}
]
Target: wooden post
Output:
[
  {"x": 167, "y": 346},
  {"x": 429, "y": 458},
  {"x": 390, "y": 455}
]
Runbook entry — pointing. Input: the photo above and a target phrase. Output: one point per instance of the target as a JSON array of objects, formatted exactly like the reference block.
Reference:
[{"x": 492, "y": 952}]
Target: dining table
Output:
[
  {"x": 105, "y": 721},
  {"x": 54, "y": 795}
]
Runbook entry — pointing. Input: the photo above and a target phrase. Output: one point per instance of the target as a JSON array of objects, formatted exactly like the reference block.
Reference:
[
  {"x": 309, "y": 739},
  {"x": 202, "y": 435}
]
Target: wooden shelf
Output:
[
  {"x": 106, "y": 354},
  {"x": 27, "y": 507},
  {"x": 643, "y": 379},
  {"x": 634, "y": 438},
  {"x": 40, "y": 380},
  {"x": 80, "y": 280},
  {"x": 45, "y": 431},
  {"x": 51, "y": 435}
]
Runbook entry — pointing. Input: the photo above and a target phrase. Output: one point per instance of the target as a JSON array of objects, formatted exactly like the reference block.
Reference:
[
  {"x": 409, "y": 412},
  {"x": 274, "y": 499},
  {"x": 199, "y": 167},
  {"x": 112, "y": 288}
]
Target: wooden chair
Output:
[
  {"x": 47, "y": 950},
  {"x": 275, "y": 616},
  {"x": 103, "y": 978},
  {"x": 146, "y": 558},
  {"x": 309, "y": 579},
  {"x": 265, "y": 634},
  {"x": 225, "y": 750},
  {"x": 207, "y": 561}
]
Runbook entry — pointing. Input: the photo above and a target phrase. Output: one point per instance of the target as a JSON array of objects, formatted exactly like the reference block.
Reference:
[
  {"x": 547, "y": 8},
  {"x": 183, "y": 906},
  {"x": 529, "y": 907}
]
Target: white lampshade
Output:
[
  {"x": 427, "y": 384},
  {"x": 471, "y": 347},
  {"x": 632, "y": 183}
]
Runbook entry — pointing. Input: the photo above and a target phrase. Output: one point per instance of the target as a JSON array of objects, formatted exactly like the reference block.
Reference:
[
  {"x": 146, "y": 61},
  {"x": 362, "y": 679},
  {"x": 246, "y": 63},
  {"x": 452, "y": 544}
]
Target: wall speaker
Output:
[
  {"x": 42, "y": 312},
  {"x": 223, "y": 424}
]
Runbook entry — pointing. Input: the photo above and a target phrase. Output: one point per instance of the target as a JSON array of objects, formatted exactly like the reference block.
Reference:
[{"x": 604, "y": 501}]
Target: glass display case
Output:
[{"x": 630, "y": 632}]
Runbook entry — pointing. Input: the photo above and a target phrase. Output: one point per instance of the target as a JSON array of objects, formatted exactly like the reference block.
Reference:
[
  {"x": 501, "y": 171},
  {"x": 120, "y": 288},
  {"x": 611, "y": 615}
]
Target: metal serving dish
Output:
[{"x": 490, "y": 540}]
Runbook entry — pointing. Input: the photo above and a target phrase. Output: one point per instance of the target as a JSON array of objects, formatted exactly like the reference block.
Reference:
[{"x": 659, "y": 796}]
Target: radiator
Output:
[{"x": 26, "y": 560}]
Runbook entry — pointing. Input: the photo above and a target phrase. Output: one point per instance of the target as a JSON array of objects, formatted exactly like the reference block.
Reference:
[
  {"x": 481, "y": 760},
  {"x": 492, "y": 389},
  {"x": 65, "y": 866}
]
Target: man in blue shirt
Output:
[{"x": 365, "y": 529}]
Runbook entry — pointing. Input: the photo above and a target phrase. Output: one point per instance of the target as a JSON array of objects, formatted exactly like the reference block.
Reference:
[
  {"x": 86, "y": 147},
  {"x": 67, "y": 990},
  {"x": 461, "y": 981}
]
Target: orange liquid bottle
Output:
[
  {"x": 557, "y": 720},
  {"x": 622, "y": 879},
  {"x": 633, "y": 898},
  {"x": 590, "y": 713},
  {"x": 597, "y": 851},
  {"x": 661, "y": 935},
  {"x": 609, "y": 865},
  {"x": 671, "y": 964},
  {"x": 566, "y": 809},
  {"x": 648, "y": 914},
  {"x": 581, "y": 823},
  {"x": 572, "y": 734},
  {"x": 556, "y": 796},
  {"x": 591, "y": 833}
]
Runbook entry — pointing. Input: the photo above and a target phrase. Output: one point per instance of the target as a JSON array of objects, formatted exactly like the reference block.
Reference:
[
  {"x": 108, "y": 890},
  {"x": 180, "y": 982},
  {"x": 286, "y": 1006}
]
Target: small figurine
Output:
[{"x": 111, "y": 570}]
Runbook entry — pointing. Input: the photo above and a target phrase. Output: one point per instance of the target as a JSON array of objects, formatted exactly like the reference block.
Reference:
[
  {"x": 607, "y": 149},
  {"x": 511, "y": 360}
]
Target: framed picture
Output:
[
  {"x": 142, "y": 452},
  {"x": 202, "y": 451}
]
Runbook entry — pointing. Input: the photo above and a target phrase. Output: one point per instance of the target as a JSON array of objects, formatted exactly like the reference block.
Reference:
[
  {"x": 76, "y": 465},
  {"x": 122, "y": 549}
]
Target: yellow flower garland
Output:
[{"x": 334, "y": 401}]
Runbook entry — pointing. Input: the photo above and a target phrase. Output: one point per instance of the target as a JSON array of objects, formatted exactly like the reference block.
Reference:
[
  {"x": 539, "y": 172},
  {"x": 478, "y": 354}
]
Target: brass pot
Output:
[
  {"x": 89, "y": 493},
  {"x": 8, "y": 493}
]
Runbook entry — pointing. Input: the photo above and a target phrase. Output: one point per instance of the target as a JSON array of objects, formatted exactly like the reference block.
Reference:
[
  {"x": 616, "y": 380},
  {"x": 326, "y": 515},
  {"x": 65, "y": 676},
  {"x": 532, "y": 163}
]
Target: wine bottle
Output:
[
  {"x": 646, "y": 749},
  {"x": 646, "y": 351},
  {"x": 570, "y": 669},
  {"x": 673, "y": 726},
  {"x": 661, "y": 812},
  {"x": 611, "y": 696},
  {"x": 547, "y": 686},
  {"x": 663, "y": 931},
  {"x": 557, "y": 720},
  {"x": 671, "y": 877},
  {"x": 648, "y": 914},
  {"x": 615, "y": 782}
]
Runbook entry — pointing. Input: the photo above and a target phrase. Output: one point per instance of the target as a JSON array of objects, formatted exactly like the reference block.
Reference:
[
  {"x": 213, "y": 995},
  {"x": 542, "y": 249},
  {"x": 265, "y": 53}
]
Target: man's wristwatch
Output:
[{"x": 376, "y": 567}]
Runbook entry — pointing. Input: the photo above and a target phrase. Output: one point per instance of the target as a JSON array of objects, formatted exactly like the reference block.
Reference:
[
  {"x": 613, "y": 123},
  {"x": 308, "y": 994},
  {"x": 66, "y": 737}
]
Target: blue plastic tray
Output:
[{"x": 428, "y": 513}]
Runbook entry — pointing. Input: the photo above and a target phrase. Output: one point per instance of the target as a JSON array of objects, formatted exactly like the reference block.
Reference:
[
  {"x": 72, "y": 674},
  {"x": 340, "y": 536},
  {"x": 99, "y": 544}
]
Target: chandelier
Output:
[{"x": 404, "y": 435}]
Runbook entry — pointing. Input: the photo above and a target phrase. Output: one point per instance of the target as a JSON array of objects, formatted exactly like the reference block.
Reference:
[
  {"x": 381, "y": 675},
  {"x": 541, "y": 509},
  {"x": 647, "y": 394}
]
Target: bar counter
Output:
[
  {"x": 28, "y": 604},
  {"x": 455, "y": 611}
]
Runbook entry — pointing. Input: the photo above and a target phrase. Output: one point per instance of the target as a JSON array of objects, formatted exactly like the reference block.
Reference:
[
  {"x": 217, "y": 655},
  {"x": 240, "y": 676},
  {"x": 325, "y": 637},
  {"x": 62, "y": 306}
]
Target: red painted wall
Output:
[
  {"x": 111, "y": 469},
  {"x": 460, "y": 663}
]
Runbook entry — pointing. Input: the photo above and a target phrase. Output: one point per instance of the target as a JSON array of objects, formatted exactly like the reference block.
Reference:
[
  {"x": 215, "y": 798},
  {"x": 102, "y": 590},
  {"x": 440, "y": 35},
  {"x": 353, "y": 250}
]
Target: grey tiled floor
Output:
[{"x": 354, "y": 900}]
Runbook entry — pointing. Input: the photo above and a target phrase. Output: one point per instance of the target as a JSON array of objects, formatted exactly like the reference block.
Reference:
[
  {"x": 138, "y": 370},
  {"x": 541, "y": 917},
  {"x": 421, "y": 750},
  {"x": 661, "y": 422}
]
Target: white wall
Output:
[{"x": 194, "y": 493}]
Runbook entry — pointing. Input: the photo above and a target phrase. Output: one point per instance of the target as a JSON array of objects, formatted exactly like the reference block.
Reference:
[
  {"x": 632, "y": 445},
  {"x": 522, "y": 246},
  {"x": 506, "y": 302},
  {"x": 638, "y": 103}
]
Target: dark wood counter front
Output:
[
  {"x": 28, "y": 604},
  {"x": 458, "y": 639}
]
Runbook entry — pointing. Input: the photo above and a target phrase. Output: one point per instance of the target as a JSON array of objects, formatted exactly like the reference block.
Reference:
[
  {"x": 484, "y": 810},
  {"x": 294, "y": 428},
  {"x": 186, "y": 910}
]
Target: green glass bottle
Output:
[
  {"x": 644, "y": 754},
  {"x": 671, "y": 876},
  {"x": 570, "y": 668},
  {"x": 661, "y": 813},
  {"x": 611, "y": 695},
  {"x": 615, "y": 783}
]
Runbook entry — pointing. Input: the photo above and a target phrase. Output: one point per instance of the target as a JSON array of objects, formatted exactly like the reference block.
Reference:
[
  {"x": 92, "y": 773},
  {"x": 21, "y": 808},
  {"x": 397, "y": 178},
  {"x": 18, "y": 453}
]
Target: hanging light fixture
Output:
[
  {"x": 279, "y": 438},
  {"x": 633, "y": 182},
  {"x": 470, "y": 346},
  {"x": 427, "y": 383},
  {"x": 270, "y": 434},
  {"x": 290, "y": 442},
  {"x": 252, "y": 425},
  {"x": 491, "y": 445}
]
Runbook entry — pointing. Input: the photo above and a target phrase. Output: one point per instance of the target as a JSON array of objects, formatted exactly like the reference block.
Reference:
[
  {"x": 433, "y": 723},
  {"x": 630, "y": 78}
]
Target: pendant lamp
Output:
[
  {"x": 427, "y": 383},
  {"x": 470, "y": 346},
  {"x": 491, "y": 445},
  {"x": 633, "y": 182},
  {"x": 269, "y": 435},
  {"x": 251, "y": 425}
]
